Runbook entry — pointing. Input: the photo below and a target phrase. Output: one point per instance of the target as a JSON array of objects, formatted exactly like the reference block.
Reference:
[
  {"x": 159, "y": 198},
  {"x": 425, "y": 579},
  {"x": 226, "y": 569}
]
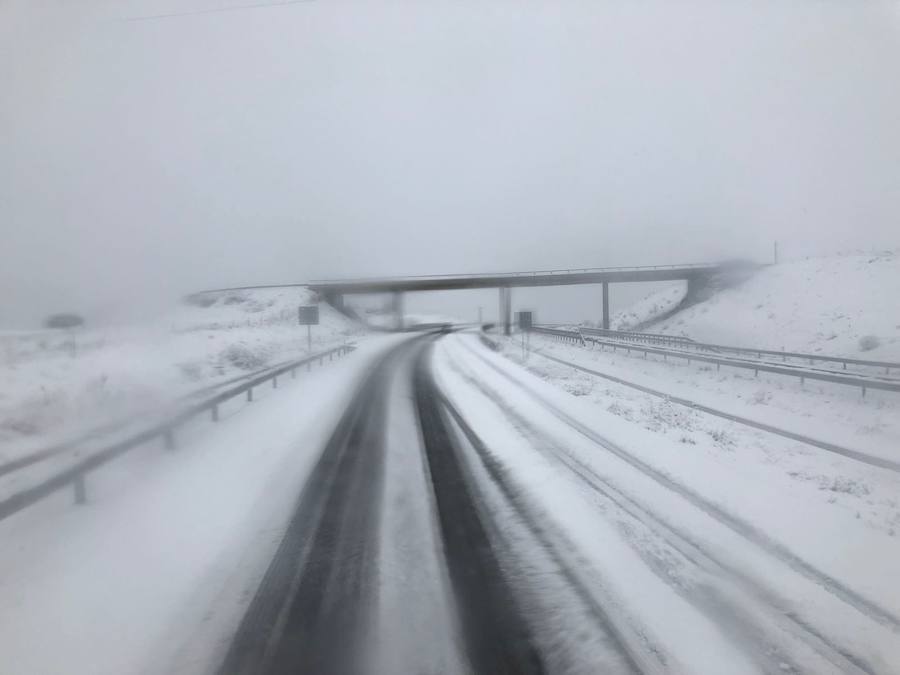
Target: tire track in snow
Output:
[
  {"x": 769, "y": 653},
  {"x": 865, "y": 606},
  {"x": 310, "y": 611},
  {"x": 496, "y": 635}
]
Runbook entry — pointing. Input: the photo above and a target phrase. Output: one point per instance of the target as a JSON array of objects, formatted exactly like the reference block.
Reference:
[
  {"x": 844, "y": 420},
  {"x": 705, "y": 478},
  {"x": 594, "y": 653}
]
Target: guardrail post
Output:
[
  {"x": 275, "y": 382},
  {"x": 293, "y": 373},
  {"x": 863, "y": 392},
  {"x": 80, "y": 489},
  {"x": 250, "y": 394},
  {"x": 168, "y": 439},
  {"x": 215, "y": 413}
]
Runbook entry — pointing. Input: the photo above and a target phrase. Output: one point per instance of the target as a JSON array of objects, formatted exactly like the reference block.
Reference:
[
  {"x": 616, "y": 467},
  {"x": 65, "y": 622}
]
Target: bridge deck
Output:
[
  {"x": 511, "y": 279},
  {"x": 446, "y": 282}
]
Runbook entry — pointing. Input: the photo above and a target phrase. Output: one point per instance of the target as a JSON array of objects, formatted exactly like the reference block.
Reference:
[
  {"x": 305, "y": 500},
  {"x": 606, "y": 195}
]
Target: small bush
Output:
[
  {"x": 761, "y": 397},
  {"x": 63, "y": 321},
  {"x": 241, "y": 356},
  {"x": 722, "y": 438},
  {"x": 201, "y": 300},
  {"x": 868, "y": 343},
  {"x": 846, "y": 485}
]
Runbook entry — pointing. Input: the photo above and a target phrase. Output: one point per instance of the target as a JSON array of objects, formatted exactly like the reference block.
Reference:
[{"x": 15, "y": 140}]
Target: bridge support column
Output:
[
  {"x": 397, "y": 309},
  {"x": 606, "y": 305},
  {"x": 506, "y": 309},
  {"x": 334, "y": 299}
]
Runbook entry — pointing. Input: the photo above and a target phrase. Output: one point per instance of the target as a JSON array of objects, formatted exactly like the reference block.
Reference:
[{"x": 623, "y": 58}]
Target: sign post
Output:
[
  {"x": 525, "y": 322},
  {"x": 308, "y": 315}
]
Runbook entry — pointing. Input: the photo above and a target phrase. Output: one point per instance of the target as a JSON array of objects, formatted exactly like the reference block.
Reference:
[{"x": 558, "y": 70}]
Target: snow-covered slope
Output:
[
  {"x": 844, "y": 305},
  {"x": 55, "y": 383},
  {"x": 653, "y": 306}
]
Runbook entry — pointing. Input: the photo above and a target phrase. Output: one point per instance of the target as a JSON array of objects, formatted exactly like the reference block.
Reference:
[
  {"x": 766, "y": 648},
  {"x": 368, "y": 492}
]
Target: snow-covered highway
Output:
[
  {"x": 429, "y": 506},
  {"x": 543, "y": 546}
]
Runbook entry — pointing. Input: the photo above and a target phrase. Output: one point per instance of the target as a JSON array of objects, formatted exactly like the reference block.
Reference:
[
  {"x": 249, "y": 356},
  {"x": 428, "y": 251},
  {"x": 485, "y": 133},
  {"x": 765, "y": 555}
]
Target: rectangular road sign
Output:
[
  {"x": 525, "y": 320},
  {"x": 308, "y": 315}
]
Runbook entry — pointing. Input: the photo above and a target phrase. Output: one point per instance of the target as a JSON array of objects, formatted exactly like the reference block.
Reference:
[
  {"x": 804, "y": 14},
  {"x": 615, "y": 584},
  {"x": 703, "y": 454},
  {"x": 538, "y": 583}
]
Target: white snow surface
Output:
[
  {"x": 59, "y": 384},
  {"x": 792, "y": 519},
  {"x": 651, "y": 307},
  {"x": 155, "y": 572},
  {"x": 828, "y": 305}
]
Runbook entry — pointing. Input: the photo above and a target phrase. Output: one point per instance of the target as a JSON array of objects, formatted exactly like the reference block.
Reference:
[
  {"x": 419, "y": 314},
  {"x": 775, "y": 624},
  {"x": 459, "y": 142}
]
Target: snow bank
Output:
[
  {"x": 652, "y": 307},
  {"x": 842, "y": 305},
  {"x": 58, "y": 383}
]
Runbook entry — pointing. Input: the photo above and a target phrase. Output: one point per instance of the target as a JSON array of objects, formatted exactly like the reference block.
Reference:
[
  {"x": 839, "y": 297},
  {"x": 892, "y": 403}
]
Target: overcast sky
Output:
[{"x": 143, "y": 158}]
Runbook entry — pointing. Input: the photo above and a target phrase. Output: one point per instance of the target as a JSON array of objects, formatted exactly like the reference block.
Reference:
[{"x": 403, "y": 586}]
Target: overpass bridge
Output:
[{"x": 334, "y": 290}]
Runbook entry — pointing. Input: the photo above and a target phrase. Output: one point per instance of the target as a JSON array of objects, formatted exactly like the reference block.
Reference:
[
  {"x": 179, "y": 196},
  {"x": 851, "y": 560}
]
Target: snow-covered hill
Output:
[
  {"x": 844, "y": 305},
  {"x": 57, "y": 383},
  {"x": 654, "y": 306}
]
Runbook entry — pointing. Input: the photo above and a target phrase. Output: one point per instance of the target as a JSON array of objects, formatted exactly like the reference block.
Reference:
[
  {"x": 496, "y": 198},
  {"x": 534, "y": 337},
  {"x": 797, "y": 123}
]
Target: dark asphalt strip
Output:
[
  {"x": 308, "y": 615},
  {"x": 496, "y": 635},
  {"x": 522, "y": 507}
]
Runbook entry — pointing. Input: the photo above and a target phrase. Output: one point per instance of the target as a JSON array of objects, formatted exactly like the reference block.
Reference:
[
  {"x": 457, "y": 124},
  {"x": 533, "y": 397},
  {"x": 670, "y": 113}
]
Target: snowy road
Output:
[
  {"x": 429, "y": 506},
  {"x": 463, "y": 519}
]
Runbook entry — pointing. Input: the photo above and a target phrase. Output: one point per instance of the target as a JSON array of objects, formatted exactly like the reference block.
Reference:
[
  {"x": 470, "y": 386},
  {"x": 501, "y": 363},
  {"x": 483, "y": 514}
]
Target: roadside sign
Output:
[
  {"x": 525, "y": 320},
  {"x": 308, "y": 315}
]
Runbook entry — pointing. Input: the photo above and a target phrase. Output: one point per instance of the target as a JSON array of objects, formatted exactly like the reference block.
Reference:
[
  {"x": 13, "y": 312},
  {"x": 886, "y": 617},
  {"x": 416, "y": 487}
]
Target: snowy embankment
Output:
[
  {"x": 840, "y": 305},
  {"x": 153, "y": 574},
  {"x": 58, "y": 385},
  {"x": 709, "y": 550},
  {"x": 824, "y": 306},
  {"x": 652, "y": 307}
]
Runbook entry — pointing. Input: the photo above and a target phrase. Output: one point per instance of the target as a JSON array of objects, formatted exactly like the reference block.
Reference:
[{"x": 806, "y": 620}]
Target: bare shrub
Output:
[
  {"x": 66, "y": 320},
  {"x": 241, "y": 356},
  {"x": 868, "y": 343},
  {"x": 201, "y": 299}
]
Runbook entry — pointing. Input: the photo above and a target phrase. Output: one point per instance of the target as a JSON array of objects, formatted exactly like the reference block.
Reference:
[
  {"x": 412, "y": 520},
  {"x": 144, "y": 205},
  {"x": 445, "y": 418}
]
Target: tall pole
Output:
[
  {"x": 606, "y": 305},
  {"x": 507, "y": 317},
  {"x": 398, "y": 309}
]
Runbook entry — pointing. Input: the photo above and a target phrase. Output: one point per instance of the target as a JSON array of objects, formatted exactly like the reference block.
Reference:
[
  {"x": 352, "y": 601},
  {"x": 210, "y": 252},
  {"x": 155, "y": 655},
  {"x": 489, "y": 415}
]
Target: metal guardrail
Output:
[
  {"x": 659, "y": 338},
  {"x": 75, "y": 476},
  {"x": 654, "y": 338},
  {"x": 861, "y": 382}
]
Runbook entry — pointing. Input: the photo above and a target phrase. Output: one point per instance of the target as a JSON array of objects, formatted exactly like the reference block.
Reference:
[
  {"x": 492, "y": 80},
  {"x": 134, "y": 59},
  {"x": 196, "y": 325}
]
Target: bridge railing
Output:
[{"x": 515, "y": 275}]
